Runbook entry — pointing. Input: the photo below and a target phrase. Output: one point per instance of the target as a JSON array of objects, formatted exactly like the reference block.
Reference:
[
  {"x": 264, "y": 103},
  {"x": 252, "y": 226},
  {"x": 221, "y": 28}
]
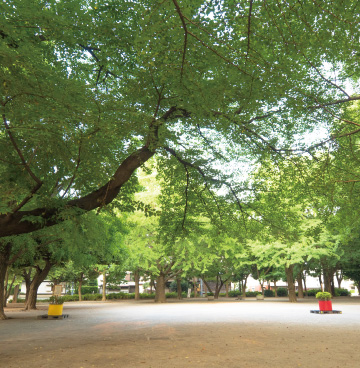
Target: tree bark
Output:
[
  {"x": 8, "y": 287},
  {"x": 16, "y": 293},
  {"x": 38, "y": 278},
  {"x": 160, "y": 296},
  {"x": 137, "y": 284},
  {"x": 275, "y": 289},
  {"x": 80, "y": 286},
  {"x": 339, "y": 278},
  {"x": 15, "y": 224},
  {"x": 195, "y": 287},
  {"x": 5, "y": 251},
  {"x": 328, "y": 276},
  {"x": 178, "y": 288},
  {"x": 227, "y": 289},
  {"x": 305, "y": 287},
  {"x": 291, "y": 286},
  {"x": 104, "y": 287},
  {"x": 206, "y": 287},
  {"x": 27, "y": 279},
  {"x": 244, "y": 287},
  {"x": 300, "y": 285},
  {"x": 218, "y": 286}
]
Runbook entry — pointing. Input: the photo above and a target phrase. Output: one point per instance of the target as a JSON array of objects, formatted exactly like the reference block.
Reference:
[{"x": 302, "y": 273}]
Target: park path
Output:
[{"x": 200, "y": 333}]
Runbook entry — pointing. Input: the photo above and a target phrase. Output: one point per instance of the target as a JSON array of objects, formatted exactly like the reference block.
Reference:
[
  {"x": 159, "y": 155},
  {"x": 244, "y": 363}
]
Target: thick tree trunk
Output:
[
  {"x": 207, "y": 287},
  {"x": 227, "y": 289},
  {"x": 16, "y": 293},
  {"x": 178, "y": 288},
  {"x": 39, "y": 277},
  {"x": 328, "y": 275},
  {"x": 160, "y": 289},
  {"x": 291, "y": 285},
  {"x": 305, "y": 287},
  {"x": 137, "y": 284},
  {"x": 27, "y": 279},
  {"x": 275, "y": 289},
  {"x": 195, "y": 287},
  {"x": 244, "y": 287},
  {"x": 339, "y": 278},
  {"x": 80, "y": 286},
  {"x": 321, "y": 283},
  {"x": 8, "y": 287},
  {"x": 5, "y": 250},
  {"x": 104, "y": 287},
  {"x": 218, "y": 286},
  {"x": 300, "y": 285}
]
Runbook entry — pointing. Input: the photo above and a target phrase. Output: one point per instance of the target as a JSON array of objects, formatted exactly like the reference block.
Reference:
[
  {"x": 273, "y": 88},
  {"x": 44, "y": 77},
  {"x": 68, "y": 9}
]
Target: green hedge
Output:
[
  {"x": 269, "y": 293},
  {"x": 342, "y": 292},
  {"x": 282, "y": 292}
]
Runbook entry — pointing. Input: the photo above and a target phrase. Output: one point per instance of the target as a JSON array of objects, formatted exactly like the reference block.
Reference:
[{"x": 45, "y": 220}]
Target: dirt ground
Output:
[{"x": 196, "y": 333}]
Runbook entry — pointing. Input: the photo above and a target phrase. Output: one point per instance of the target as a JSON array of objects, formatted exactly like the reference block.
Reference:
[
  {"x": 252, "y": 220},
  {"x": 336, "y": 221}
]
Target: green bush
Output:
[
  {"x": 184, "y": 286},
  {"x": 282, "y": 292},
  {"x": 234, "y": 293},
  {"x": 342, "y": 292},
  {"x": 313, "y": 292},
  {"x": 269, "y": 293},
  {"x": 89, "y": 290},
  {"x": 92, "y": 297},
  {"x": 323, "y": 295},
  {"x": 252, "y": 294},
  {"x": 147, "y": 296}
]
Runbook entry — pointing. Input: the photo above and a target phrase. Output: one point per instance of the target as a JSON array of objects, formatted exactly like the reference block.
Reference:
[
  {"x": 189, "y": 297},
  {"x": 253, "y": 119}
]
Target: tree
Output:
[{"x": 204, "y": 83}]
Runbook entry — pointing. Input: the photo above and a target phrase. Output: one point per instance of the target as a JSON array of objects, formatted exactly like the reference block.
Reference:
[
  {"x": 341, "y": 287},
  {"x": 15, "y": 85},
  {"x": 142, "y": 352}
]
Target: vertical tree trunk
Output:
[
  {"x": 104, "y": 287},
  {"x": 275, "y": 289},
  {"x": 339, "y": 278},
  {"x": 244, "y": 287},
  {"x": 300, "y": 285},
  {"x": 16, "y": 293},
  {"x": 195, "y": 287},
  {"x": 80, "y": 286},
  {"x": 27, "y": 279},
  {"x": 305, "y": 287},
  {"x": 137, "y": 284},
  {"x": 8, "y": 288},
  {"x": 328, "y": 275},
  {"x": 332, "y": 286},
  {"x": 178, "y": 288},
  {"x": 38, "y": 278},
  {"x": 5, "y": 251},
  {"x": 227, "y": 289},
  {"x": 291, "y": 286},
  {"x": 218, "y": 286},
  {"x": 160, "y": 289},
  {"x": 321, "y": 283}
]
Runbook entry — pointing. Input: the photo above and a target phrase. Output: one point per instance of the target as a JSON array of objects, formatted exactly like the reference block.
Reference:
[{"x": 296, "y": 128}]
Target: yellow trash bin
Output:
[{"x": 55, "y": 309}]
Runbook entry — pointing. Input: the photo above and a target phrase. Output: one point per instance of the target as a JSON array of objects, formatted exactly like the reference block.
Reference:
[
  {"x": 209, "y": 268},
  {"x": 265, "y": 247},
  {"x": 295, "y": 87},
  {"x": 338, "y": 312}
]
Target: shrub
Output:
[
  {"x": 323, "y": 295},
  {"x": 282, "y": 292},
  {"x": 89, "y": 290},
  {"x": 313, "y": 292},
  {"x": 57, "y": 299},
  {"x": 234, "y": 293},
  {"x": 252, "y": 294},
  {"x": 147, "y": 296},
  {"x": 184, "y": 286},
  {"x": 269, "y": 293},
  {"x": 92, "y": 297},
  {"x": 342, "y": 292}
]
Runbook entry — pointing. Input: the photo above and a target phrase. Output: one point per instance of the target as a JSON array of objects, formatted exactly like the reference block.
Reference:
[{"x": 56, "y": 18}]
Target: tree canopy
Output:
[{"x": 90, "y": 91}]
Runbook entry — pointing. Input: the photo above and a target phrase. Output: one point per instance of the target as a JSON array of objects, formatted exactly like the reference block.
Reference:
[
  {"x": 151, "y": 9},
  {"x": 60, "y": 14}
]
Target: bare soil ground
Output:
[{"x": 196, "y": 333}]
